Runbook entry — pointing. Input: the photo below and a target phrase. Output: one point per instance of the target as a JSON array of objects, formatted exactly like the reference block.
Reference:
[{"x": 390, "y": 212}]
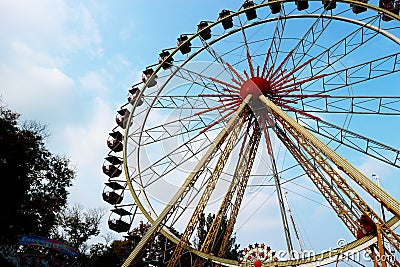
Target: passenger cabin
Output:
[
  {"x": 390, "y": 5},
  {"x": 116, "y": 195},
  {"x": 275, "y": 7},
  {"x": 251, "y": 13},
  {"x": 147, "y": 77},
  {"x": 227, "y": 23},
  {"x": 165, "y": 59},
  {"x": 111, "y": 170},
  {"x": 118, "y": 225},
  {"x": 185, "y": 48},
  {"x": 122, "y": 118},
  {"x": 368, "y": 226},
  {"x": 120, "y": 220},
  {"x": 134, "y": 91},
  {"x": 133, "y": 95},
  {"x": 112, "y": 197},
  {"x": 329, "y": 5},
  {"x": 206, "y": 33},
  {"x": 301, "y": 4},
  {"x": 358, "y": 9},
  {"x": 114, "y": 141}
]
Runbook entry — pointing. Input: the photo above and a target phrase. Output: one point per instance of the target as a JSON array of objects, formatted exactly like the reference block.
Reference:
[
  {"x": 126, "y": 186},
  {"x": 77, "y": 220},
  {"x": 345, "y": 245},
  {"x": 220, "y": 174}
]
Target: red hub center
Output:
[
  {"x": 257, "y": 263},
  {"x": 256, "y": 86}
]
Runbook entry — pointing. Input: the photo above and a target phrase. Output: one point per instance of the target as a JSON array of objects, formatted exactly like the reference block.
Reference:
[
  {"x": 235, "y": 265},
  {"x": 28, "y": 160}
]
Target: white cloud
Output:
[
  {"x": 86, "y": 35},
  {"x": 88, "y": 140},
  {"x": 32, "y": 82},
  {"x": 38, "y": 40},
  {"x": 127, "y": 32},
  {"x": 86, "y": 147},
  {"x": 50, "y": 25},
  {"x": 93, "y": 81}
]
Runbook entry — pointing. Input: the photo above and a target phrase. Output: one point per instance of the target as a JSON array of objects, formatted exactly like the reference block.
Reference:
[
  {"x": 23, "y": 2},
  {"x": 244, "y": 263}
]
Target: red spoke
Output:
[
  {"x": 217, "y": 121},
  {"x": 269, "y": 71},
  {"x": 294, "y": 70},
  {"x": 245, "y": 74},
  {"x": 280, "y": 65},
  {"x": 288, "y": 90},
  {"x": 236, "y": 81},
  {"x": 224, "y": 83},
  {"x": 231, "y": 99},
  {"x": 287, "y": 100},
  {"x": 277, "y": 76},
  {"x": 266, "y": 62},
  {"x": 305, "y": 96},
  {"x": 250, "y": 64},
  {"x": 231, "y": 106},
  {"x": 229, "y": 90},
  {"x": 217, "y": 107},
  {"x": 283, "y": 82},
  {"x": 303, "y": 81},
  {"x": 235, "y": 72},
  {"x": 278, "y": 84},
  {"x": 220, "y": 95}
]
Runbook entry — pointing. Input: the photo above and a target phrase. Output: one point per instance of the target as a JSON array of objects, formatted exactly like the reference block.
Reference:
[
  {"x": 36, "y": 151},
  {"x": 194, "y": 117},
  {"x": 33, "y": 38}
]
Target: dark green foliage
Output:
[
  {"x": 34, "y": 202},
  {"x": 35, "y": 180},
  {"x": 203, "y": 228},
  {"x": 76, "y": 226},
  {"x": 157, "y": 253},
  {"x": 103, "y": 255},
  {"x": 115, "y": 253}
]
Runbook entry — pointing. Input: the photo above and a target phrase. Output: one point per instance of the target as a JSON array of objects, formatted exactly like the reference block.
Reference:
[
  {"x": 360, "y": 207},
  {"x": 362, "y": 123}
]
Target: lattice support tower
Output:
[
  {"x": 209, "y": 188},
  {"x": 240, "y": 178},
  {"x": 320, "y": 152}
]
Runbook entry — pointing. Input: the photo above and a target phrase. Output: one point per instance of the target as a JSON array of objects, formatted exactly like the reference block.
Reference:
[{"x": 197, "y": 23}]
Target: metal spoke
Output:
[
  {"x": 337, "y": 202},
  {"x": 355, "y": 141},
  {"x": 278, "y": 187},
  {"x": 218, "y": 58},
  {"x": 367, "y": 105},
  {"x": 209, "y": 188},
  {"x": 359, "y": 73},
  {"x": 321, "y": 152},
  {"x": 344, "y": 47},
  {"x": 191, "y": 117},
  {"x": 240, "y": 177},
  {"x": 168, "y": 210},
  {"x": 389, "y": 202},
  {"x": 277, "y": 38}
]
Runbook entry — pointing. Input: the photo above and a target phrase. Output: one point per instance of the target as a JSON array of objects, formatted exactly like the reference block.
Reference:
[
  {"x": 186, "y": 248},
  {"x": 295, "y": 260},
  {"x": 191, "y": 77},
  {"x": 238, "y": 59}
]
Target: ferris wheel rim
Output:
[
  {"x": 394, "y": 38},
  {"x": 297, "y": 16}
]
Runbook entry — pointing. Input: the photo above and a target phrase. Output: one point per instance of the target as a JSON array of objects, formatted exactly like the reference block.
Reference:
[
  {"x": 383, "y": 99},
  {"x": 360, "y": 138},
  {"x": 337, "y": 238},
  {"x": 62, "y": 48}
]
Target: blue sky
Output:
[{"x": 69, "y": 65}]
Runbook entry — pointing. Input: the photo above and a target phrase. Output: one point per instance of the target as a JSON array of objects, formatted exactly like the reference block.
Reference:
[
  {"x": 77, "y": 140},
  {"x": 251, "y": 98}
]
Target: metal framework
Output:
[
  {"x": 284, "y": 91},
  {"x": 318, "y": 150}
]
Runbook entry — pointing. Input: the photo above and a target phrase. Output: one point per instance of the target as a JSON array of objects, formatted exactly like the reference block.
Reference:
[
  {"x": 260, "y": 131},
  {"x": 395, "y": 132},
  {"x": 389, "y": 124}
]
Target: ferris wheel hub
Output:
[{"x": 256, "y": 86}]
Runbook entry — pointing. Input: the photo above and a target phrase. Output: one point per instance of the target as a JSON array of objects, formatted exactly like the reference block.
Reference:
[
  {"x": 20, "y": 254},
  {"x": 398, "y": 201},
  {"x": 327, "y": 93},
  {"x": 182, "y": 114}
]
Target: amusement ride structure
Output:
[{"x": 266, "y": 100}]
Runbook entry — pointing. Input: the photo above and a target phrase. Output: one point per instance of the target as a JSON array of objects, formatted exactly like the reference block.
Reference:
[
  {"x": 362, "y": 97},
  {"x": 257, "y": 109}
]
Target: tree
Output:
[
  {"x": 203, "y": 228},
  {"x": 76, "y": 226},
  {"x": 108, "y": 255},
  {"x": 155, "y": 254},
  {"x": 34, "y": 181}
]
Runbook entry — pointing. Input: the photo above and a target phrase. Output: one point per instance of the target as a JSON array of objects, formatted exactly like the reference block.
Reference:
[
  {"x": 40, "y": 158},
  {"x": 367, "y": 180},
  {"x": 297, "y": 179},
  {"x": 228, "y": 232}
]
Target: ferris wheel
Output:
[{"x": 277, "y": 98}]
